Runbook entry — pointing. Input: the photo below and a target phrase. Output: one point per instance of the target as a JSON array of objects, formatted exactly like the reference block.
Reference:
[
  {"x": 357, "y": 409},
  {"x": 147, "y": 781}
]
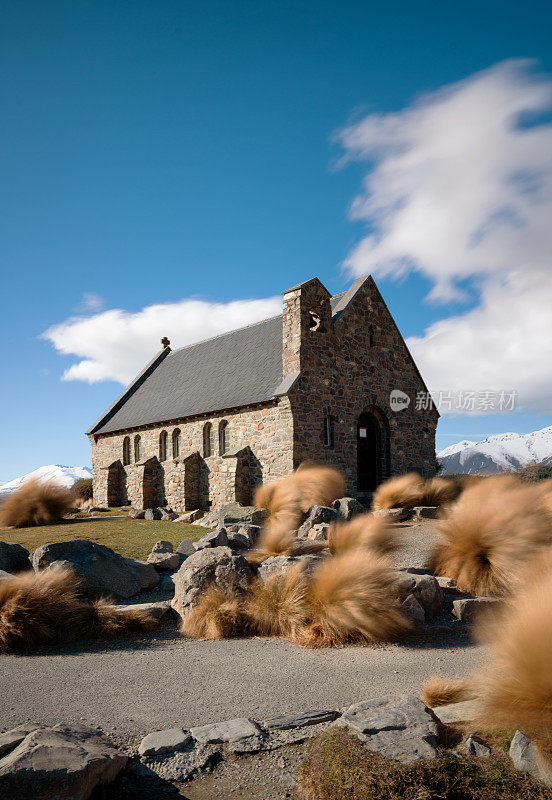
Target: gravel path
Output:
[{"x": 130, "y": 687}]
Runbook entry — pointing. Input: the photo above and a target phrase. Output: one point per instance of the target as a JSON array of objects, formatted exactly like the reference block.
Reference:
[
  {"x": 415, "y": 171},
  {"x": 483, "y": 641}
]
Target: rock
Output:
[
  {"x": 101, "y": 509},
  {"x": 165, "y": 561},
  {"x": 526, "y": 758},
  {"x": 251, "y": 531},
  {"x": 231, "y": 730},
  {"x": 400, "y": 728},
  {"x": 162, "y": 546},
  {"x": 186, "y": 548},
  {"x": 412, "y": 610},
  {"x": 157, "y": 610},
  {"x": 4, "y": 575},
  {"x": 180, "y": 765},
  {"x": 424, "y": 588},
  {"x": 319, "y": 532},
  {"x": 457, "y": 712},
  {"x": 217, "y": 565},
  {"x": 166, "y": 585},
  {"x": 315, "y": 516},
  {"x": 395, "y": 514},
  {"x": 234, "y": 513},
  {"x": 238, "y": 541},
  {"x": 348, "y": 507},
  {"x": 137, "y": 513},
  {"x": 216, "y": 538},
  {"x": 469, "y": 608},
  {"x": 101, "y": 569},
  {"x": 445, "y": 583},
  {"x": 281, "y": 564},
  {"x": 145, "y": 573},
  {"x": 299, "y": 720},
  {"x": 426, "y": 512},
  {"x": 59, "y": 762},
  {"x": 167, "y": 741},
  {"x": 251, "y": 744},
  {"x": 15, "y": 736},
  {"x": 13, "y": 557},
  {"x": 167, "y": 515},
  {"x": 152, "y": 514},
  {"x": 476, "y": 748},
  {"x": 190, "y": 516}
]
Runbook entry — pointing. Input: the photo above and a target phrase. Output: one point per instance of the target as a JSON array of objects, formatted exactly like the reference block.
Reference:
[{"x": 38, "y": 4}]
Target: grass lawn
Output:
[{"x": 130, "y": 537}]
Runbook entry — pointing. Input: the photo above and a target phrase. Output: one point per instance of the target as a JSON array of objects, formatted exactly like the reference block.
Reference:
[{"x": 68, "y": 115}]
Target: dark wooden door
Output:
[{"x": 368, "y": 445}]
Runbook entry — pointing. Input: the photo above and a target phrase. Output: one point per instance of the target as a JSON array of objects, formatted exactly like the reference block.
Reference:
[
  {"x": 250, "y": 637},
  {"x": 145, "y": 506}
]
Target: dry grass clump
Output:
[
  {"x": 288, "y": 500},
  {"x": 495, "y": 527},
  {"x": 403, "y": 491},
  {"x": 35, "y": 503},
  {"x": 47, "y": 607},
  {"x": 440, "y": 491},
  {"x": 339, "y": 767},
  {"x": 438, "y": 691},
  {"x": 515, "y": 688},
  {"x": 348, "y": 598},
  {"x": 363, "y": 532}
]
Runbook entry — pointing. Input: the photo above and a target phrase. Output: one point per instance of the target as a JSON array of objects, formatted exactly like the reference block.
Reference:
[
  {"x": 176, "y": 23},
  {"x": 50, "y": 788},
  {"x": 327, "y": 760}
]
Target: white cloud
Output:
[
  {"x": 460, "y": 187},
  {"x": 91, "y": 302},
  {"x": 116, "y": 344}
]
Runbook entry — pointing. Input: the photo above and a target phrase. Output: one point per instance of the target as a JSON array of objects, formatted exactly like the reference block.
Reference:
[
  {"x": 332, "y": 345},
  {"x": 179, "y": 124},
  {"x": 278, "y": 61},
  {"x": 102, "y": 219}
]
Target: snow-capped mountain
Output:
[
  {"x": 504, "y": 451},
  {"x": 65, "y": 476}
]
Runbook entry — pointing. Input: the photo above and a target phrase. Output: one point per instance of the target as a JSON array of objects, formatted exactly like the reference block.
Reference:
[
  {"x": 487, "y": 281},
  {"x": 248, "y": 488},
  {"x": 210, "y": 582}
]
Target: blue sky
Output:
[{"x": 153, "y": 152}]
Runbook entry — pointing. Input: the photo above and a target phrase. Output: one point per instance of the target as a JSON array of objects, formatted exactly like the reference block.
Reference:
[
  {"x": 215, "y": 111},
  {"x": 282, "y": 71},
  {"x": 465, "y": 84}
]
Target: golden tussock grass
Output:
[
  {"x": 347, "y": 598},
  {"x": 403, "y": 491},
  {"x": 47, "y": 607},
  {"x": 489, "y": 534},
  {"x": 364, "y": 532},
  {"x": 438, "y": 691},
  {"x": 35, "y": 503}
]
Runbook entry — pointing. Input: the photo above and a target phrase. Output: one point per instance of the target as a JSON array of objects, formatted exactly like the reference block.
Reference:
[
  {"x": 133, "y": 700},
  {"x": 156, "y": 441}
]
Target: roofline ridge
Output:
[{"x": 225, "y": 333}]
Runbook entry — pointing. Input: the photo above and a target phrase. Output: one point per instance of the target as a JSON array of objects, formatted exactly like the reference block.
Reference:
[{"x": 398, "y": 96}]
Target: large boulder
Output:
[
  {"x": 232, "y": 514},
  {"x": 102, "y": 569},
  {"x": 279, "y": 565},
  {"x": 59, "y": 762},
  {"x": 218, "y": 565},
  {"x": 13, "y": 557},
  {"x": 316, "y": 515},
  {"x": 348, "y": 507}
]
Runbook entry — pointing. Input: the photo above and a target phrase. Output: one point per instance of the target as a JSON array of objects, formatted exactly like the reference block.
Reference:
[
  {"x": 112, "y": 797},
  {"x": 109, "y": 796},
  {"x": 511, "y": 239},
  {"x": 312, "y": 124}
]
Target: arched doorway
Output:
[
  {"x": 149, "y": 484},
  {"x": 372, "y": 450}
]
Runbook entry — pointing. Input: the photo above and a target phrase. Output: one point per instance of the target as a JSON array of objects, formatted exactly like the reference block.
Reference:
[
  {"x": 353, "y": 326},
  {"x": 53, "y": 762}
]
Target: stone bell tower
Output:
[{"x": 307, "y": 324}]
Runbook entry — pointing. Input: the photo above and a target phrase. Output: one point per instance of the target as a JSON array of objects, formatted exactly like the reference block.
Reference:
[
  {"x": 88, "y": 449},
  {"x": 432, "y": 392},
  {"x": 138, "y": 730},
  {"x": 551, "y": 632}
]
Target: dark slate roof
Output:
[{"x": 239, "y": 368}]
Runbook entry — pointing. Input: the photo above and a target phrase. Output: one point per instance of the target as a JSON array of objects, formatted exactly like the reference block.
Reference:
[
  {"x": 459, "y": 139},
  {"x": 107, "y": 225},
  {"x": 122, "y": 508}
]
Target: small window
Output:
[
  {"x": 207, "y": 443},
  {"x": 328, "y": 432},
  {"x": 371, "y": 336},
  {"x": 137, "y": 448},
  {"x": 163, "y": 445},
  {"x": 176, "y": 442},
  {"x": 224, "y": 438},
  {"x": 126, "y": 450}
]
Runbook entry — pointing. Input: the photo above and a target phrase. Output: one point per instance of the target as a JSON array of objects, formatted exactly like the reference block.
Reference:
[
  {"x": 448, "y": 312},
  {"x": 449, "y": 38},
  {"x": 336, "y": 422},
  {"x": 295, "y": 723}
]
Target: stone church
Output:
[{"x": 204, "y": 424}]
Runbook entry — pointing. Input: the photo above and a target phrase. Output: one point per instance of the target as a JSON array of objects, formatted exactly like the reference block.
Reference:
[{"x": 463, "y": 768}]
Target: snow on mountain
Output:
[
  {"x": 65, "y": 476},
  {"x": 503, "y": 451}
]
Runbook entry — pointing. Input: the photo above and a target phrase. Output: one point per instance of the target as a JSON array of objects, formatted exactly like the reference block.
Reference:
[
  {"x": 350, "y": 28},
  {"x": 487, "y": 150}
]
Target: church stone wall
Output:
[{"x": 265, "y": 432}]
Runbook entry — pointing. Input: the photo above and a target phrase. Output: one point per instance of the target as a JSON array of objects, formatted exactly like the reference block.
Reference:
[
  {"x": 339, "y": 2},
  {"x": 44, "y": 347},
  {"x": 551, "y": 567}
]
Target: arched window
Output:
[
  {"x": 137, "y": 448},
  {"x": 176, "y": 442},
  {"x": 163, "y": 445},
  {"x": 126, "y": 450},
  {"x": 207, "y": 445},
  {"x": 224, "y": 437}
]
